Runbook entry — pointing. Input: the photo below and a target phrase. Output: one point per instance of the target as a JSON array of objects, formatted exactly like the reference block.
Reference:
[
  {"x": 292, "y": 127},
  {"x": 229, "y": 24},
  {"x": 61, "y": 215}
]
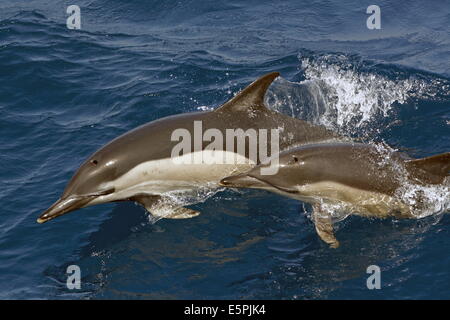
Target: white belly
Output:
[
  {"x": 352, "y": 200},
  {"x": 160, "y": 176}
]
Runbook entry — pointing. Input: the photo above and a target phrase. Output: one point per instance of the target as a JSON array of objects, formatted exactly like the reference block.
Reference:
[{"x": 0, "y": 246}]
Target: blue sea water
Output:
[{"x": 64, "y": 93}]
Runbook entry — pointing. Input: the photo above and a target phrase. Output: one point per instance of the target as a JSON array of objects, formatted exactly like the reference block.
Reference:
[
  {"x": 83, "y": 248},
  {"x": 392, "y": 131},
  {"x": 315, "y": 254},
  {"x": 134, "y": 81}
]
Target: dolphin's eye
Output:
[{"x": 94, "y": 162}]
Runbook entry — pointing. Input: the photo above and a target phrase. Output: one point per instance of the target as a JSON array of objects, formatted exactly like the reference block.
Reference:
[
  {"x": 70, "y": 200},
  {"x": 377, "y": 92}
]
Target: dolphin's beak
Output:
[
  {"x": 70, "y": 203},
  {"x": 63, "y": 206}
]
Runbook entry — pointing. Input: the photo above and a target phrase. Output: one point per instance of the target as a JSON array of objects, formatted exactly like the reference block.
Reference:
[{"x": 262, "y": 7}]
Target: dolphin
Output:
[
  {"x": 357, "y": 178},
  {"x": 140, "y": 166}
]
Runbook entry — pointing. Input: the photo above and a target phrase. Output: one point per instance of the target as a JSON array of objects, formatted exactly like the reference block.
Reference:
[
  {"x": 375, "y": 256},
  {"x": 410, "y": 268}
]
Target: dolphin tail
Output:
[{"x": 436, "y": 167}]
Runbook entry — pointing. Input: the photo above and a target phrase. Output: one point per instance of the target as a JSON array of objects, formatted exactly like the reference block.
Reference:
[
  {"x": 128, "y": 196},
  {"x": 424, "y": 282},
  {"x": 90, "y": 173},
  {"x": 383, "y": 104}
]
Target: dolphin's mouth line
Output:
[
  {"x": 292, "y": 191},
  {"x": 237, "y": 184},
  {"x": 100, "y": 193}
]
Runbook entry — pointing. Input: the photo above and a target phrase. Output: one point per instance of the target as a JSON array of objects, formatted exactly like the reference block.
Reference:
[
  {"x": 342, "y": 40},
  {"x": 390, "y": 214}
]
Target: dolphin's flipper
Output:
[
  {"x": 324, "y": 226},
  {"x": 183, "y": 213},
  {"x": 161, "y": 207}
]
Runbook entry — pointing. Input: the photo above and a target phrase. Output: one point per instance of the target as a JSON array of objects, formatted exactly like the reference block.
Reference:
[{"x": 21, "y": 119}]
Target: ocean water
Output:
[{"x": 64, "y": 93}]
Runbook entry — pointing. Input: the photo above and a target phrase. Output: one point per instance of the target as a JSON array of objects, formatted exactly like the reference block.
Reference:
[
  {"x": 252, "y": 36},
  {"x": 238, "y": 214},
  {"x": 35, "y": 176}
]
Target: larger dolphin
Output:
[{"x": 139, "y": 166}]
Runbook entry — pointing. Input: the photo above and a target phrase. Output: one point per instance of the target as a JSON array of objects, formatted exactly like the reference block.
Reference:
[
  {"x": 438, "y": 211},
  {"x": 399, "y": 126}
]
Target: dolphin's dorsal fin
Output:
[
  {"x": 251, "y": 97},
  {"x": 438, "y": 165}
]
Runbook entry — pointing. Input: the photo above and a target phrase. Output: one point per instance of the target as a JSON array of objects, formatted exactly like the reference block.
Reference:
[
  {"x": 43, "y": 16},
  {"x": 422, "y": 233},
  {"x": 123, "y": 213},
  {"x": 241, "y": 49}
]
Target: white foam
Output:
[
  {"x": 426, "y": 200},
  {"x": 339, "y": 94}
]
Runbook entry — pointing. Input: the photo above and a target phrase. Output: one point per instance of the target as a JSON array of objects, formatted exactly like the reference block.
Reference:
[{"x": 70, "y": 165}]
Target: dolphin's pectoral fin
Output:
[
  {"x": 324, "y": 227},
  {"x": 183, "y": 213},
  {"x": 161, "y": 207},
  {"x": 147, "y": 201},
  {"x": 169, "y": 210}
]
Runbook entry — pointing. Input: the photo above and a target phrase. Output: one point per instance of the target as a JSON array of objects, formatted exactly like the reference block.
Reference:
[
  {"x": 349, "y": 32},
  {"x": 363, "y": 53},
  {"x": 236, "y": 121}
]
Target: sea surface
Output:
[{"x": 64, "y": 93}]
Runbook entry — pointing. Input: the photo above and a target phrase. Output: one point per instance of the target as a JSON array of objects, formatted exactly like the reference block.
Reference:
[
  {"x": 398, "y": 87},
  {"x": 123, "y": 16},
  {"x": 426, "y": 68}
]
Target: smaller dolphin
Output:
[{"x": 359, "y": 178}]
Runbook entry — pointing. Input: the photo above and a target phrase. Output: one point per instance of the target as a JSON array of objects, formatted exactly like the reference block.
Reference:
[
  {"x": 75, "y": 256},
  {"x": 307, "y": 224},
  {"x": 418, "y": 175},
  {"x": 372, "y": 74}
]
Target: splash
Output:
[
  {"x": 205, "y": 108},
  {"x": 426, "y": 200},
  {"x": 356, "y": 97},
  {"x": 350, "y": 96}
]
